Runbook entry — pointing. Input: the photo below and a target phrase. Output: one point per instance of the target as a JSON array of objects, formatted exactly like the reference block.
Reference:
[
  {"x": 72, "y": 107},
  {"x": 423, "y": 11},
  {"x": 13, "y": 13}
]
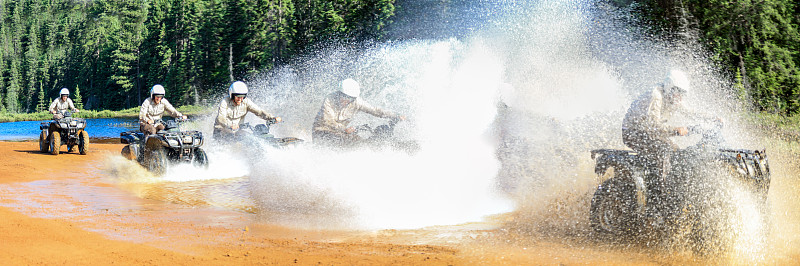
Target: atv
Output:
[
  {"x": 383, "y": 136},
  {"x": 635, "y": 202},
  {"x": 259, "y": 132},
  {"x": 65, "y": 131},
  {"x": 169, "y": 146}
]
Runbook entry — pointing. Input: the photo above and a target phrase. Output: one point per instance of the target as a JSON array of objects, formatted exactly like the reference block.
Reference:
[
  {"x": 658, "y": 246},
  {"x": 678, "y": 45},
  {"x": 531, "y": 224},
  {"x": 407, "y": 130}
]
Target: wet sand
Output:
[
  {"x": 60, "y": 228},
  {"x": 27, "y": 240}
]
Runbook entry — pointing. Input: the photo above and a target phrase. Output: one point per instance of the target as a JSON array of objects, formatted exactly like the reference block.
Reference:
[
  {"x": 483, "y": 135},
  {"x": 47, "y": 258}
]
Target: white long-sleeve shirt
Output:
[
  {"x": 650, "y": 113},
  {"x": 152, "y": 111},
  {"x": 58, "y": 105},
  {"x": 229, "y": 114},
  {"x": 333, "y": 117}
]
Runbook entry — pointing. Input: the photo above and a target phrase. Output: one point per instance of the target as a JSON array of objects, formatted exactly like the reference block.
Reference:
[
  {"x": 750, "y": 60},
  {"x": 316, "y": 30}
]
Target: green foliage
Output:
[
  {"x": 756, "y": 41},
  {"x": 190, "y": 110},
  {"x": 117, "y": 49},
  {"x": 78, "y": 101},
  {"x": 12, "y": 117},
  {"x": 43, "y": 104}
]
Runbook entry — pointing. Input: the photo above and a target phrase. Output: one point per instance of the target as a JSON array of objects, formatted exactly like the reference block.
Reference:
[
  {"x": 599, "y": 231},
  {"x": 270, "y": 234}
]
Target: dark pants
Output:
[
  {"x": 336, "y": 140},
  {"x": 148, "y": 129},
  {"x": 655, "y": 152}
]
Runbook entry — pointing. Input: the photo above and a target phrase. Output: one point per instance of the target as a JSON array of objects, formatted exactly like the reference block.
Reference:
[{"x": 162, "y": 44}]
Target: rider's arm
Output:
[
  {"x": 53, "y": 107},
  {"x": 143, "y": 117},
  {"x": 655, "y": 119},
  {"x": 326, "y": 118},
  {"x": 253, "y": 108},
  {"x": 364, "y": 106},
  {"x": 171, "y": 109},
  {"x": 222, "y": 114}
]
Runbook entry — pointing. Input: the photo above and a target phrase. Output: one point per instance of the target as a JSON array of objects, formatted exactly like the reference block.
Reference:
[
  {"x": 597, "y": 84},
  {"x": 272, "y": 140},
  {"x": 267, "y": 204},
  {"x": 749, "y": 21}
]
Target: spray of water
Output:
[
  {"x": 505, "y": 116},
  {"x": 449, "y": 96}
]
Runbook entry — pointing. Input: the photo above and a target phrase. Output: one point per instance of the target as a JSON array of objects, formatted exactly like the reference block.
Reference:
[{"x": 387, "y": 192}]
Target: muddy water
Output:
[{"x": 163, "y": 212}]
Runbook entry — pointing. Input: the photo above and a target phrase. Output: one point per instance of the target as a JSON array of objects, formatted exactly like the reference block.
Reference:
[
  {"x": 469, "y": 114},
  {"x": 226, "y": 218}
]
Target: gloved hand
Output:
[{"x": 681, "y": 131}]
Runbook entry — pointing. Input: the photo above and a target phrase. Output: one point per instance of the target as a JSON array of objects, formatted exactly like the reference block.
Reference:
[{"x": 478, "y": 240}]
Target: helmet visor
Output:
[{"x": 239, "y": 95}]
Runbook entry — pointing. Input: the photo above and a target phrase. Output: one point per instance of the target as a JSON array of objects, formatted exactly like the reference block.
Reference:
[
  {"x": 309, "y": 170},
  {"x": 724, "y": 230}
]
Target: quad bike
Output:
[
  {"x": 65, "y": 131},
  {"x": 635, "y": 202},
  {"x": 260, "y": 132},
  {"x": 169, "y": 146},
  {"x": 383, "y": 136}
]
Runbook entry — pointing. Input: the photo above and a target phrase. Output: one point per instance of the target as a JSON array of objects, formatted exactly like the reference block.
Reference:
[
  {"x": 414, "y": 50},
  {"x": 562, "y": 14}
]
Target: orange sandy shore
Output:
[
  {"x": 61, "y": 240},
  {"x": 26, "y": 240}
]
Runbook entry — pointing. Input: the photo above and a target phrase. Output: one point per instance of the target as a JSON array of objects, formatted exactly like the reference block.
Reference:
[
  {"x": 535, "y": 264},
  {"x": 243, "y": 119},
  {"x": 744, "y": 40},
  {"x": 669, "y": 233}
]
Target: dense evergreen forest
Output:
[{"x": 112, "y": 51}]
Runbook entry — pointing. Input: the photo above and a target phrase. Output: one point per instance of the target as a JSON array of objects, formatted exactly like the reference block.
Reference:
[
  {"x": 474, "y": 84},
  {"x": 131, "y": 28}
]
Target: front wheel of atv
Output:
[
  {"x": 613, "y": 211},
  {"x": 200, "y": 158},
  {"x": 55, "y": 142},
  {"x": 127, "y": 153},
  {"x": 157, "y": 161},
  {"x": 83, "y": 142},
  {"x": 44, "y": 147}
]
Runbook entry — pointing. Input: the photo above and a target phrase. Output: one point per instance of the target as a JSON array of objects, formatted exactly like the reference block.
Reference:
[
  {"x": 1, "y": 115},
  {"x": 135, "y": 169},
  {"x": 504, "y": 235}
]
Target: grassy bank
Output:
[
  {"x": 131, "y": 112},
  {"x": 778, "y": 126}
]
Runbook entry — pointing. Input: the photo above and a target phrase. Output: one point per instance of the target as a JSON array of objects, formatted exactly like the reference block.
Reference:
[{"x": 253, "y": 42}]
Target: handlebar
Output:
[{"x": 712, "y": 127}]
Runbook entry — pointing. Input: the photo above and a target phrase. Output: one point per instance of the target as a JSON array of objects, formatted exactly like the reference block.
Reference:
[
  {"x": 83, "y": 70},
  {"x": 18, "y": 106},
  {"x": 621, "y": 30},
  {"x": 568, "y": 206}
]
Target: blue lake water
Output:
[{"x": 97, "y": 128}]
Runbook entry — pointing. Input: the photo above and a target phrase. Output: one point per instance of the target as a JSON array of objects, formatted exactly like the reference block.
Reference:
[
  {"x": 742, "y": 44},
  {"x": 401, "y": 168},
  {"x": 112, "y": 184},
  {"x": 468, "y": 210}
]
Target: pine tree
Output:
[
  {"x": 78, "y": 98},
  {"x": 43, "y": 104}
]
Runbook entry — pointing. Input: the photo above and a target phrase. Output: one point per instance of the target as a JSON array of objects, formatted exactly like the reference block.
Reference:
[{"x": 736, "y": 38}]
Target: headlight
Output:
[
  {"x": 198, "y": 141},
  {"x": 187, "y": 139},
  {"x": 73, "y": 123},
  {"x": 63, "y": 125},
  {"x": 173, "y": 143}
]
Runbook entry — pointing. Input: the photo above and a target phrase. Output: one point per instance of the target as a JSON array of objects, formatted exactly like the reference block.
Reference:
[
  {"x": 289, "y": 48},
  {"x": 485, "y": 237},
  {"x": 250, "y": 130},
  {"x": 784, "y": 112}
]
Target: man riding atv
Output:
[
  {"x": 233, "y": 109},
  {"x": 331, "y": 124},
  {"x": 63, "y": 103},
  {"x": 646, "y": 130},
  {"x": 63, "y": 130},
  {"x": 153, "y": 108}
]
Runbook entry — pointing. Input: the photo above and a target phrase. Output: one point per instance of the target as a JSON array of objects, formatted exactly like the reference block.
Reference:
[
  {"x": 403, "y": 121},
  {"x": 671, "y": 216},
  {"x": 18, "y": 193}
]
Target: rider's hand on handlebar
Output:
[
  {"x": 350, "y": 130},
  {"x": 278, "y": 119},
  {"x": 150, "y": 121},
  {"x": 235, "y": 127},
  {"x": 681, "y": 131}
]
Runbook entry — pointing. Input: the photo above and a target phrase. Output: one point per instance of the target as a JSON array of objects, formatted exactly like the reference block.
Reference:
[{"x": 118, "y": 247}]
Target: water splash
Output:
[
  {"x": 508, "y": 110},
  {"x": 449, "y": 97}
]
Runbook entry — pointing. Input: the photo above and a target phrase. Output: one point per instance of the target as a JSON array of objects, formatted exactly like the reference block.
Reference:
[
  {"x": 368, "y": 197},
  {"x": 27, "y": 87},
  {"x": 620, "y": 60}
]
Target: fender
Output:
[{"x": 624, "y": 164}]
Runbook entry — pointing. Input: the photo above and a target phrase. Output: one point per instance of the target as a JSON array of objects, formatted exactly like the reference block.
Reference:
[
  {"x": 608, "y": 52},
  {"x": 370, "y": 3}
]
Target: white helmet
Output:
[
  {"x": 350, "y": 88},
  {"x": 157, "y": 90},
  {"x": 64, "y": 91},
  {"x": 237, "y": 87},
  {"x": 676, "y": 82}
]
